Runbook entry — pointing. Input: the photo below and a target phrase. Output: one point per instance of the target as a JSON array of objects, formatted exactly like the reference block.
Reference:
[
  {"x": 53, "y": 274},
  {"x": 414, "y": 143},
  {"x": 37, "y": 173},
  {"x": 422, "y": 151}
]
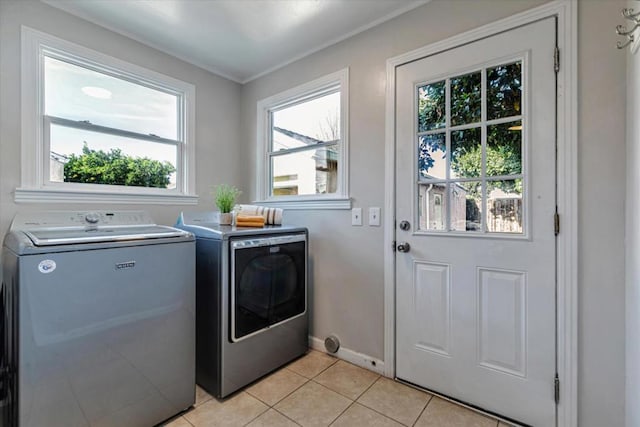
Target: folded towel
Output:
[
  {"x": 271, "y": 215},
  {"x": 259, "y": 224},
  {"x": 243, "y": 217}
]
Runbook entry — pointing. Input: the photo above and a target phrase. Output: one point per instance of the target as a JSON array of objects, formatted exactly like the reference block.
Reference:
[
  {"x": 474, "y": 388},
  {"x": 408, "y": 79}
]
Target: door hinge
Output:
[
  {"x": 556, "y": 59},
  {"x": 556, "y": 388},
  {"x": 556, "y": 223},
  {"x": 393, "y": 246}
]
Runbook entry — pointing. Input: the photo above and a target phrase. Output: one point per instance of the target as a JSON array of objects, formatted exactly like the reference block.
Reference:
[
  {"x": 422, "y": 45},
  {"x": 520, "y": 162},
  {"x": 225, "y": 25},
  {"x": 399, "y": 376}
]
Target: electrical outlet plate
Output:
[
  {"x": 374, "y": 216},
  {"x": 356, "y": 216}
]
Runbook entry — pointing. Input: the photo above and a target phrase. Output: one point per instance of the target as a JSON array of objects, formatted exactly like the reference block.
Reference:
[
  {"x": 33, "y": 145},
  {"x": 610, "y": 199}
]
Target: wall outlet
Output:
[
  {"x": 356, "y": 216},
  {"x": 374, "y": 216}
]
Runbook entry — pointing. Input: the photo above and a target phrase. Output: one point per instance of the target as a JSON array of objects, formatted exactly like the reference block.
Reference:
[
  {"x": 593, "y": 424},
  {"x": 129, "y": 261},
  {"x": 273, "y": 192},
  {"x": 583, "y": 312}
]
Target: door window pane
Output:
[
  {"x": 504, "y": 206},
  {"x": 466, "y": 206},
  {"x": 432, "y": 161},
  {"x": 504, "y": 91},
  {"x": 466, "y": 99},
  {"x": 466, "y": 153},
  {"x": 504, "y": 149},
  {"x": 433, "y": 206},
  {"x": 431, "y": 106}
]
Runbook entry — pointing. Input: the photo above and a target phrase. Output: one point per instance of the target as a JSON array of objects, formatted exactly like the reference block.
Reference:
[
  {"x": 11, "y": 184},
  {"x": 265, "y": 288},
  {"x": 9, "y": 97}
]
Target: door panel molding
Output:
[{"x": 567, "y": 240}]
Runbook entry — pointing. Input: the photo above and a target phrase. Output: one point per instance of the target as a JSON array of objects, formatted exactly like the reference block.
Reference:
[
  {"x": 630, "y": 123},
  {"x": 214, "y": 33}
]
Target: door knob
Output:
[{"x": 404, "y": 247}]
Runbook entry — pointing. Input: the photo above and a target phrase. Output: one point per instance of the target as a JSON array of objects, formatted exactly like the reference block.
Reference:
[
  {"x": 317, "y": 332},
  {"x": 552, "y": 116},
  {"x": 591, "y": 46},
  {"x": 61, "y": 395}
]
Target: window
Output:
[
  {"x": 470, "y": 151},
  {"x": 99, "y": 129},
  {"x": 302, "y": 145}
]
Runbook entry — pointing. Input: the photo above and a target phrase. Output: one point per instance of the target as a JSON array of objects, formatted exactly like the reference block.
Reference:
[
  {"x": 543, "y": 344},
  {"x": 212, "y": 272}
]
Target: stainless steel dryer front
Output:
[
  {"x": 98, "y": 325},
  {"x": 251, "y": 287}
]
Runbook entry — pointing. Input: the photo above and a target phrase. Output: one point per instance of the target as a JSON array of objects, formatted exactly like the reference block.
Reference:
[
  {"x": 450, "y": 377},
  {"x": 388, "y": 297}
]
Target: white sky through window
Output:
[{"x": 132, "y": 107}]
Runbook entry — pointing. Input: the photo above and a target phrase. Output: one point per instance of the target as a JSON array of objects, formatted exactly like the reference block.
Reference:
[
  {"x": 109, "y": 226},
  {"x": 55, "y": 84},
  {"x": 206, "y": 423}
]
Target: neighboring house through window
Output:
[
  {"x": 303, "y": 145},
  {"x": 99, "y": 129}
]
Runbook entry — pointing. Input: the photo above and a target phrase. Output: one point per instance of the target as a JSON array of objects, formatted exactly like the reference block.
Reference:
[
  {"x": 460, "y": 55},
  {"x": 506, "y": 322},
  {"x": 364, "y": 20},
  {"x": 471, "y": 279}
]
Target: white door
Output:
[{"x": 475, "y": 183}]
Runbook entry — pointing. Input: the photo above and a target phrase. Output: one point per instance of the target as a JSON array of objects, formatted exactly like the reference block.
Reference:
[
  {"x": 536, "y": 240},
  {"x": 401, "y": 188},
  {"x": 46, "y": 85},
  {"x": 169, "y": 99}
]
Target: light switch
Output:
[
  {"x": 356, "y": 216},
  {"x": 374, "y": 216}
]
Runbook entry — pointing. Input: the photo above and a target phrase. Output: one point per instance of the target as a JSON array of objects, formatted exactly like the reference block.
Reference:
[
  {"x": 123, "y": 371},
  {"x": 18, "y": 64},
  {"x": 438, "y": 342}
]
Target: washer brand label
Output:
[
  {"x": 124, "y": 265},
  {"x": 46, "y": 266}
]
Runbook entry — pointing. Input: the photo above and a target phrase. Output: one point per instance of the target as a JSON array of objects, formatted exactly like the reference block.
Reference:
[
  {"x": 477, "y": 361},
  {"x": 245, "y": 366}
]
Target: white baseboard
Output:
[{"x": 351, "y": 356}]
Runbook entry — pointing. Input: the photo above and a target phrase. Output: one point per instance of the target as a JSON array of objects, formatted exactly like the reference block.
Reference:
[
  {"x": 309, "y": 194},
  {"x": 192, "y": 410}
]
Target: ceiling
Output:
[{"x": 237, "y": 39}]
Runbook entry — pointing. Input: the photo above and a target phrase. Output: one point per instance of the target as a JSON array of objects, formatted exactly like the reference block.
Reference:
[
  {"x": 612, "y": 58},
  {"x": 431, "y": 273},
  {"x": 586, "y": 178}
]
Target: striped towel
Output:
[{"x": 271, "y": 216}]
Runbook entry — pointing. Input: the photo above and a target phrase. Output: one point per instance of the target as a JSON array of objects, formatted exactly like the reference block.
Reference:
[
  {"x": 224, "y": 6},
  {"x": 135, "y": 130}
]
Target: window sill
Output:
[
  {"x": 38, "y": 195},
  {"x": 308, "y": 204}
]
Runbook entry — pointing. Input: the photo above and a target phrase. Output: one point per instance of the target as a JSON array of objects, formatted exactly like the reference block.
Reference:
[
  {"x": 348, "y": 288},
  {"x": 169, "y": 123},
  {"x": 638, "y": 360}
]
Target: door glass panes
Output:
[
  {"x": 431, "y": 107},
  {"x": 466, "y": 99},
  {"x": 504, "y": 91},
  {"x": 504, "y": 149},
  {"x": 466, "y": 206},
  {"x": 470, "y": 163},
  {"x": 466, "y": 153},
  {"x": 432, "y": 156},
  {"x": 433, "y": 206},
  {"x": 504, "y": 206}
]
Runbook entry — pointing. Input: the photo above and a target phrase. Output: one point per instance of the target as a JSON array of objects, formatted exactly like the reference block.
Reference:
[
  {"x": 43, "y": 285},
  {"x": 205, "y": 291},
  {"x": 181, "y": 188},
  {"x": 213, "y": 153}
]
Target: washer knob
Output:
[{"x": 92, "y": 217}]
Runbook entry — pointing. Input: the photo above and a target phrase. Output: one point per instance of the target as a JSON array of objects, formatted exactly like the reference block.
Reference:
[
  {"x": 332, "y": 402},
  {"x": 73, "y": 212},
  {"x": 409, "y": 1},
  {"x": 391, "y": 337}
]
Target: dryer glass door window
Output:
[{"x": 268, "y": 286}]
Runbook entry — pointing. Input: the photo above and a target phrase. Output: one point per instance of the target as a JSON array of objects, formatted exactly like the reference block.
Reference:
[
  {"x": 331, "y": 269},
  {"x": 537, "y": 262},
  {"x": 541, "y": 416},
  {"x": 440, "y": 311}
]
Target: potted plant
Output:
[{"x": 225, "y": 199}]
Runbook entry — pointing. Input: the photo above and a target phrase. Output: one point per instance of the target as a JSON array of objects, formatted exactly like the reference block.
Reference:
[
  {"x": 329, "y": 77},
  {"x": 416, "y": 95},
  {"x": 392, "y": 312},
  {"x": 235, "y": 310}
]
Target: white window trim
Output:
[
  {"x": 35, "y": 186},
  {"x": 341, "y": 199}
]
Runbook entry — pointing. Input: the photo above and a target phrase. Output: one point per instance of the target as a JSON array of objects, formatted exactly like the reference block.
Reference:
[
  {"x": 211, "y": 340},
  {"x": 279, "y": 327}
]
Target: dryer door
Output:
[{"x": 268, "y": 280}]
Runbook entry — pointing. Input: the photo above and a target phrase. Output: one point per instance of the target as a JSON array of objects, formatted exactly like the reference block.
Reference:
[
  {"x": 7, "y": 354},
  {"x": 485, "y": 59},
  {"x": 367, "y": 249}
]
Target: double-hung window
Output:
[
  {"x": 99, "y": 129},
  {"x": 303, "y": 145}
]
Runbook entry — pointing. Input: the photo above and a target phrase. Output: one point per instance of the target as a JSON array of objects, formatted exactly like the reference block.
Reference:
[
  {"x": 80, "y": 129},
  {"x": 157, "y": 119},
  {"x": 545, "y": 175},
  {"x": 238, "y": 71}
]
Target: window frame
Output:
[
  {"x": 35, "y": 180},
  {"x": 308, "y": 91}
]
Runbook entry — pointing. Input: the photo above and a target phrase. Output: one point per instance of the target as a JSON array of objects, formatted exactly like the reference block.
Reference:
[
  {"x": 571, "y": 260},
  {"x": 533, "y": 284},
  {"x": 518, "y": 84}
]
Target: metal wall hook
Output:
[
  {"x": 629, "y": 14},
  {"x": 631, "y": 39},
  {"x": 625, "y": 44},
  {"x": 622, "y": 30}
]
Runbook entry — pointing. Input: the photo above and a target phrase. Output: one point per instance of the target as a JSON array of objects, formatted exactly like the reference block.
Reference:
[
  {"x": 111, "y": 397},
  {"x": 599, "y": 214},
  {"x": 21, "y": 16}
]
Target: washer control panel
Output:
[{"x": 36, "y": 220}]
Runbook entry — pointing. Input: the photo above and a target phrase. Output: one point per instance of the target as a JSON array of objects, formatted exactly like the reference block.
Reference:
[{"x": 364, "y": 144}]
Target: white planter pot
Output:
[{"x": 223, "y": 218}]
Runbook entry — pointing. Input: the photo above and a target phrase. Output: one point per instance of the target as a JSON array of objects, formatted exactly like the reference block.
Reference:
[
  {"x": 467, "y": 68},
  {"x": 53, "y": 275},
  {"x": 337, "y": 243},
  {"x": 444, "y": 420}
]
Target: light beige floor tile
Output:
[
  {"x": 201, "y": 396},
  {"x": 361, "y": 416},
  {"x": 313, "y": 405},
  {"x": 505, "y": 424},
  {"x": 236, "y": 411},
  {"x": 312, "y": 364},
  {"x": 403, "y": 404},
  {"x": 347, "y": 379},
  {"x": 272, "y": 418},
  {"x": 277, "y": 386},
  {"x": 441, "y": 413},
  {"x": 178, "y": 422}
]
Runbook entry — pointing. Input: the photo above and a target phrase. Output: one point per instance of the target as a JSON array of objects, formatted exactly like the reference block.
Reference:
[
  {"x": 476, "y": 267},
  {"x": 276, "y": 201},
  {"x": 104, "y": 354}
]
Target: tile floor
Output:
[{"x": 320, "y": 390}]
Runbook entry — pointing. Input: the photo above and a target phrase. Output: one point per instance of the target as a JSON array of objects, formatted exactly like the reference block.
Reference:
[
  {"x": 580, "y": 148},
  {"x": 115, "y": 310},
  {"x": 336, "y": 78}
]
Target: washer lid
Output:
[{"x": 69, "y": 236}]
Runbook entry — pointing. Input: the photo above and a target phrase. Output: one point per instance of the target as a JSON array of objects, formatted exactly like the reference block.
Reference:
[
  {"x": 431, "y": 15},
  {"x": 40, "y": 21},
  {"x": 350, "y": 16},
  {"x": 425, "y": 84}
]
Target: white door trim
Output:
[{"x": 567, "y": 182}]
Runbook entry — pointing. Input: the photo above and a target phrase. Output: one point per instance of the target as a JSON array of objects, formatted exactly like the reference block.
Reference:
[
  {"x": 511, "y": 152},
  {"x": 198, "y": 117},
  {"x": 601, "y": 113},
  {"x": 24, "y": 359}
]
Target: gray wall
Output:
[
  {"x": 217, "y": 105},
  {"x": 348, "y": 262},
  {"x": 601, "y": 199},
  {"x": 633, "y": 241}
]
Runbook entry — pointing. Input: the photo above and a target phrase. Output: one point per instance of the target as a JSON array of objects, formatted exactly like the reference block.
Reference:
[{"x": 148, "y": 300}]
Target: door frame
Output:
[{"x": 567, "y": 191}]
